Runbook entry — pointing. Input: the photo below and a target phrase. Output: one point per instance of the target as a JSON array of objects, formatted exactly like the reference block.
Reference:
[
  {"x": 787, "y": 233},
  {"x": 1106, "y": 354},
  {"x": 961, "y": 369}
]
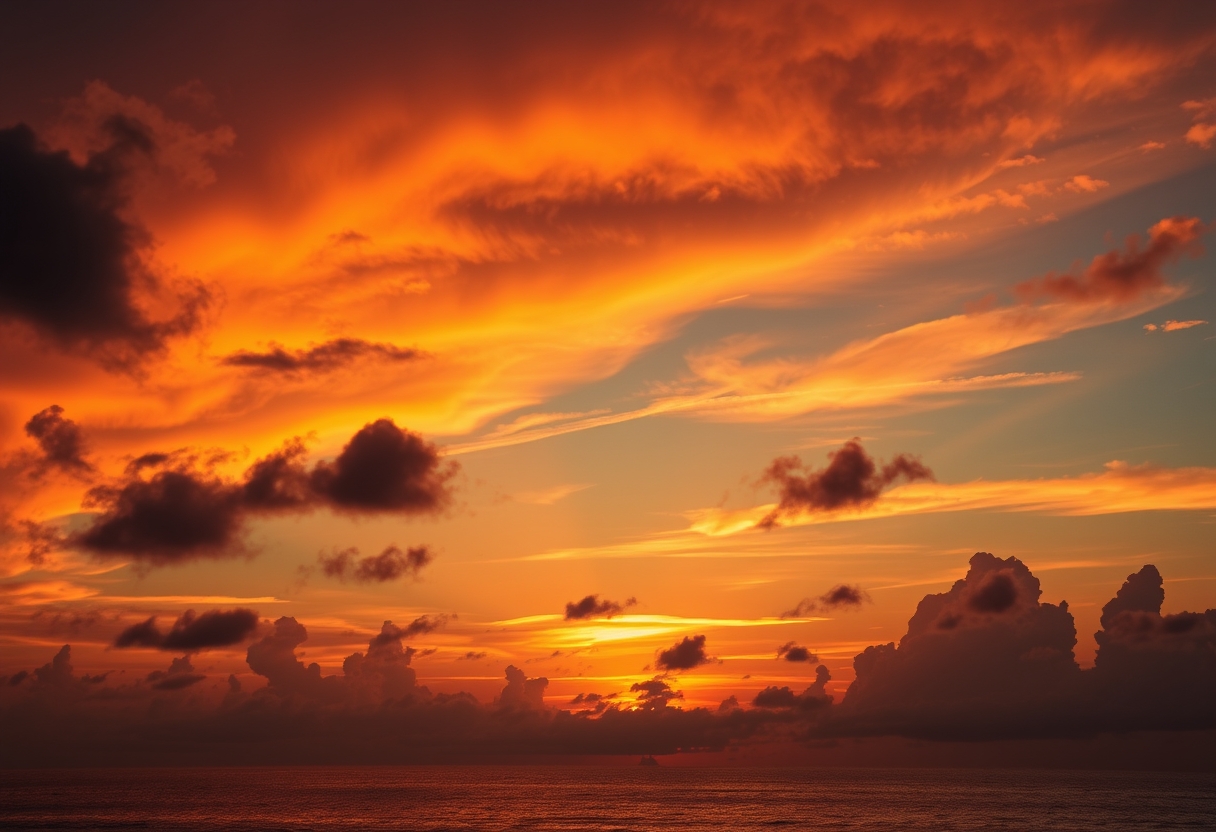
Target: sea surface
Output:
[{"x": 600, "y": 799}]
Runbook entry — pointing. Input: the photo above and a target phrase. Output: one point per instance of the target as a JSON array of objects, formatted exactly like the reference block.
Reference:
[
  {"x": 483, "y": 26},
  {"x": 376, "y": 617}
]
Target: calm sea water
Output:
[{"x": 577, "y": 798}]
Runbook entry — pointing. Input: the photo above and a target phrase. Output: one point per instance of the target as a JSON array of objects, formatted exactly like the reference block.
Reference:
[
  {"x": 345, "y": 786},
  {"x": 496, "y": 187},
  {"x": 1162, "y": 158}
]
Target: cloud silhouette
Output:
[
  {"x": 851, "y": 479},
  {"x": 191, "y": 632},
  {"x": 183, "y": 512},
  {"x": 1122, "y": 276},
  {"x": 684, "y": 655},
  {"x": 592, "y": 607}
]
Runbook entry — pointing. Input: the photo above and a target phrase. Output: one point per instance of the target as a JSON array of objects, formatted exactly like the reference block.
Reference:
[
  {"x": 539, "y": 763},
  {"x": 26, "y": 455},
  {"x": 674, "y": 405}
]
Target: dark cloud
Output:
[
  {"x": 61, "y": 440},
  {"x": 191, "y": 632},
  {"x": 852, "y": 479},
  {"x": 811, "y": 699},
  {"x": 838, "y": 597},
  {"x": 17, "y": 678},
  {"x": 655, "y": 693},
  {"x": 424, "y": 624},
  {"x": 179, "y": 676},
  {"x": 389, "y": 565},
  {"x": 987, "y": 660},
  {"x": 70, "y": 264},
  {"x": 522, "y": 692},
  {"x": 385, "y": 468},
  {"x": 175, "y": 515},
  {"x": 792, "y": 652},
  {"x": 182, "y": 512},
  {"x": 1154, "y": 670},
  {"x": 319, "y": 358},
  {"x": 592, "y": 607},
  {"x": 684, "y": 655},
  {"x": 473, "y": 655},
  {"x": 1122, "y": 276}
]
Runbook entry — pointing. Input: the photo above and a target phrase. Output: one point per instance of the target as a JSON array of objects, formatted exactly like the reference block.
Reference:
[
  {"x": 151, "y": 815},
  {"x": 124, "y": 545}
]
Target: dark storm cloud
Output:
[
  {"x": 852, "y": 479},
  {"x": 792, "y": 652},
  {"x": 684, "y": 655},
  {"x": 319, "y": 358},
  {"x": 841, "y": 596},
  {"x": 70, "y": 264},
  {"x": 191, "y": 632},
  {"x": 60, "y": 439},
  {"x": 592, "y": 607},
  {"x": 182, "y": 511},
  {"x": 389, "y": 565},
  {"x": 1122, "y": 276}
]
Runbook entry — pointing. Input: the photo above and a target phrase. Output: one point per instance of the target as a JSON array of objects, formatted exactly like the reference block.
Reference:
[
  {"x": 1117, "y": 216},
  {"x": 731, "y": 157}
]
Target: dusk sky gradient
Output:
[{"x": 471, "y": 379}]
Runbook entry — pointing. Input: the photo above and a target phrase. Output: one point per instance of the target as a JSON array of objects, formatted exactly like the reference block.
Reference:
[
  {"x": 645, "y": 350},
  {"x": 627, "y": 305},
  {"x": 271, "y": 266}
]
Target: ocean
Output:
[{"x": 599, "y": 799}]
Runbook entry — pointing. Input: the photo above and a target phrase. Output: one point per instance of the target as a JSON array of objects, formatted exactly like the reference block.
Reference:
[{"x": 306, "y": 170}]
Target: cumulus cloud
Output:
[
  {"x": 654, "y": 693},
  {"x": 988, "y": 660},
  {"x": 685, "y": 654},
  {"x": 181, "y": 511},
  {"x": 792, "y": 652},
  {"x": 841, "y": 596},
  {"x": 592, "y": 607},
  {"x": 60, "y": 440},
  {"x": 71, "y": 266},
  {"x": 389, "y": 565},
  {"x": 1122, "y": 276},
  {"x": 851, "y": 480},
  {"x": 178, "y": 676},
  {"x": 384, "y": 468},
  {"x": 318, "y": 358},
  {"x": 813, "y": 698},
  {"x": 522, "y": 692},
  {"x": 191, "y": 632}
]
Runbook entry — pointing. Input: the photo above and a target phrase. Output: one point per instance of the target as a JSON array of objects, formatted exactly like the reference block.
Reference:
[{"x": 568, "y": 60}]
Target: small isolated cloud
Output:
[
  {"x": 852, "y": 479},
  {"x": 60, "y": 440},
  {"x": 792, "y": 652},
  {"x": 841, "y": 596},
  {"x": 389, "y": 565},
  {"x": 1151, "y": 146},
  {"x": 684, "y": 655},
  {"x": 318, "y": 358},
  {"x": 1122, "y": 275},
  {"x": 1172, "y": 326},
  {"x": 1020, "y": 162},
  {"x": 1083, "y": 184},
  {"x": 191, "y": 632},
  {"x": 592, "y": 607},
  {"x": 1201, "y": 134},
  {"x": 1203, "y": 130}
]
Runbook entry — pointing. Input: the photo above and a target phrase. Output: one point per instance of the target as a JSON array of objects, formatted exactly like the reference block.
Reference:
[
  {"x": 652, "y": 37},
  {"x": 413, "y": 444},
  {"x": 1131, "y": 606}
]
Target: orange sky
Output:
[{"x": 612, "y": 263}]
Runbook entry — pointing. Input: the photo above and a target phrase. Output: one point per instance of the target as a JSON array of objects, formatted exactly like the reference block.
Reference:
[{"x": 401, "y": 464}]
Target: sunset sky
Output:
[{"x": 668, "y": 352}]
